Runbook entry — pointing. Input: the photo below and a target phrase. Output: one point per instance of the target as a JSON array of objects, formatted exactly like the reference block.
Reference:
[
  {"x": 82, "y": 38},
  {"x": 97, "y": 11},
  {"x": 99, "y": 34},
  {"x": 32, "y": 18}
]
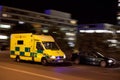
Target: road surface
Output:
[{"x": 11, "y": 70}]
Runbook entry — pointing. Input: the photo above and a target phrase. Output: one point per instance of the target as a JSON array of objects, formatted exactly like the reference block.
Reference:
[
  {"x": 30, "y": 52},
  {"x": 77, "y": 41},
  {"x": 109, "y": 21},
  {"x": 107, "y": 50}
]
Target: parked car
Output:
[{"x": 93, "y": 58}]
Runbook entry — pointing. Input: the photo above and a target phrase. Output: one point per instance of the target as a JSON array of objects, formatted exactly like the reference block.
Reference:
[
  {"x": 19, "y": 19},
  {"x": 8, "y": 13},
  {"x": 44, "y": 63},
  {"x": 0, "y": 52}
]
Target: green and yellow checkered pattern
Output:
[{"x": 26, "y": 52}]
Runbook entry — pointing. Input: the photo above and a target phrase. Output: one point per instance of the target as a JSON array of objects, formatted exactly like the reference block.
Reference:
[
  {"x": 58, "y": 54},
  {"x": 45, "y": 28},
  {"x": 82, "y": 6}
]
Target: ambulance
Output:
[{"x": 36, "y": 48}]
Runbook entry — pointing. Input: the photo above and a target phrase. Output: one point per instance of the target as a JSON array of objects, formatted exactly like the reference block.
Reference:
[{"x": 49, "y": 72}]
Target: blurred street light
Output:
[
  {"x": 73, "y": 22},
  {"x": 5, "y": 26},
  {"x": 3, "y": 37},
  {"x": 21, "y": 22}
]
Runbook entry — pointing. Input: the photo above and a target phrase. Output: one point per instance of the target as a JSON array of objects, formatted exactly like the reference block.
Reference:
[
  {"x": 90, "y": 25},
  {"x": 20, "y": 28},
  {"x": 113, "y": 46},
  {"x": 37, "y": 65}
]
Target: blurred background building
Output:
[
  {"x": 102, "y": 37},
  {"x": 42, "y": 22},
  {"x": 118, "y": 13}
]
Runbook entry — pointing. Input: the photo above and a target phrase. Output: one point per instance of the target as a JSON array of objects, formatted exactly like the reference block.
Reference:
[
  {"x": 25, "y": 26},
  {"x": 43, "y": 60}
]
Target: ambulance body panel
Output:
[{"x": 37, "y": 48}]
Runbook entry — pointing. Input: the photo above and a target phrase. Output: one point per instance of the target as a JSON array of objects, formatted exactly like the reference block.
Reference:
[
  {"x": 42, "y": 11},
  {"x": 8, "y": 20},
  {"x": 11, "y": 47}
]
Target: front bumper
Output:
[
  {"x": 113, "y": 62},
  {"x": 56, "y": 60}
]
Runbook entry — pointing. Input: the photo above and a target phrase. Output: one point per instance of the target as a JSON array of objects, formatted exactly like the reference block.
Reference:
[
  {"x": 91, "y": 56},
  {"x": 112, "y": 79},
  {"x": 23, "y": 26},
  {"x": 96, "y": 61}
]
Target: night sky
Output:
[{"x": 85, "y": 11}]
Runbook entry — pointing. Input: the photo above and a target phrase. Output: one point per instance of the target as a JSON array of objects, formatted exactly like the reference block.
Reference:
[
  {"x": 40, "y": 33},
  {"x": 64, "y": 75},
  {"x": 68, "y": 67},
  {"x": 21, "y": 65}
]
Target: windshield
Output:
[
  {"x": 50, "y": 45},
  {"x": 99, "y": 54}
]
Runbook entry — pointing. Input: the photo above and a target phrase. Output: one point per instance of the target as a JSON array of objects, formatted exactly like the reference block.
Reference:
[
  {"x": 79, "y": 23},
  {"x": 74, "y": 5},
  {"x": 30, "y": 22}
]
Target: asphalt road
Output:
[{"x": 11, "y": 70}]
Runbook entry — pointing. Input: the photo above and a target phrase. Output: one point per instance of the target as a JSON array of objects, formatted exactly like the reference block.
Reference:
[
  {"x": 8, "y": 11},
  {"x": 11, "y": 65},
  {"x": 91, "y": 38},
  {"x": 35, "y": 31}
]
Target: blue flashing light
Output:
[
  {"x": 94, "y": 27},
  {"x": 47, "y": 12},
  {"x": 58, "y": 57},
  {"x": 1, "y": 8}
]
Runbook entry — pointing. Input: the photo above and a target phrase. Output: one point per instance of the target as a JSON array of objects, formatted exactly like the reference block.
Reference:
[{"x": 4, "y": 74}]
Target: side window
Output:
[
  {"x": 20, "y": 42},
  {"x": 39, "y": 46},
  {"x": 92, "y": 55}
]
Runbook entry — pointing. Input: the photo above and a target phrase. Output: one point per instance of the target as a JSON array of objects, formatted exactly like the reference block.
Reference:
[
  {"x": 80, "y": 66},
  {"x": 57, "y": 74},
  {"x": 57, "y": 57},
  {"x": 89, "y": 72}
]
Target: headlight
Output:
[
  {"x": 110, "y": 61},
  {"x": 114, "y": 61},
  {"x": 64, "y": 56},
  {"x": 53, "y": 57}
]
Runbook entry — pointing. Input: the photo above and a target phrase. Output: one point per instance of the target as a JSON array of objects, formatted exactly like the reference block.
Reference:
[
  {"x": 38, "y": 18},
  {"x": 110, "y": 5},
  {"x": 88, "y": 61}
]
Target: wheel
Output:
[
  {"x": 17, "y": 59},
  {"x": 77, "y": 61},
  {"x": 103, "y": 64},
  {"x": 44, "y": 62}
]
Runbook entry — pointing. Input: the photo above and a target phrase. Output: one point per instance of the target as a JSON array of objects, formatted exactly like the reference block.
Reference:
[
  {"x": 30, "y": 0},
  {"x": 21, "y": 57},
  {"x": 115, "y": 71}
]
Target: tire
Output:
[
  {"x": 17, "y": 59},
  {"x": 44, "y": 62},
  {"x": 103, "y": 64},
  {"x": 77, "y": 61}
]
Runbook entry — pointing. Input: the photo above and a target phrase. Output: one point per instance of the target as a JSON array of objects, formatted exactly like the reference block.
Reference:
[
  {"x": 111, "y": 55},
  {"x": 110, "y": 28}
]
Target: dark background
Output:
[{"x": 85, "y": 11}]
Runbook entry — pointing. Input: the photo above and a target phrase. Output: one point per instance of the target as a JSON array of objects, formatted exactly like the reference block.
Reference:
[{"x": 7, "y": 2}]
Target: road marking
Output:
[{"x": 30, "y": 73}]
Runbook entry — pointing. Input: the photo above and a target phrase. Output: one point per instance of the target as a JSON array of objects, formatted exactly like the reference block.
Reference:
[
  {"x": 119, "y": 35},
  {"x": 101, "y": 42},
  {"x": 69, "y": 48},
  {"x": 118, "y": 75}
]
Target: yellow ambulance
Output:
[{"x": 37, "y": 48}]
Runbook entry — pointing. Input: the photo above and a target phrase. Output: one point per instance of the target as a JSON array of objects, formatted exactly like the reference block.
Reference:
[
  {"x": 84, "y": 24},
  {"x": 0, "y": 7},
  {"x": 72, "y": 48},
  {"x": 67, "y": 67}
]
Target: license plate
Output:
[{"x": 60, "y": 60}]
